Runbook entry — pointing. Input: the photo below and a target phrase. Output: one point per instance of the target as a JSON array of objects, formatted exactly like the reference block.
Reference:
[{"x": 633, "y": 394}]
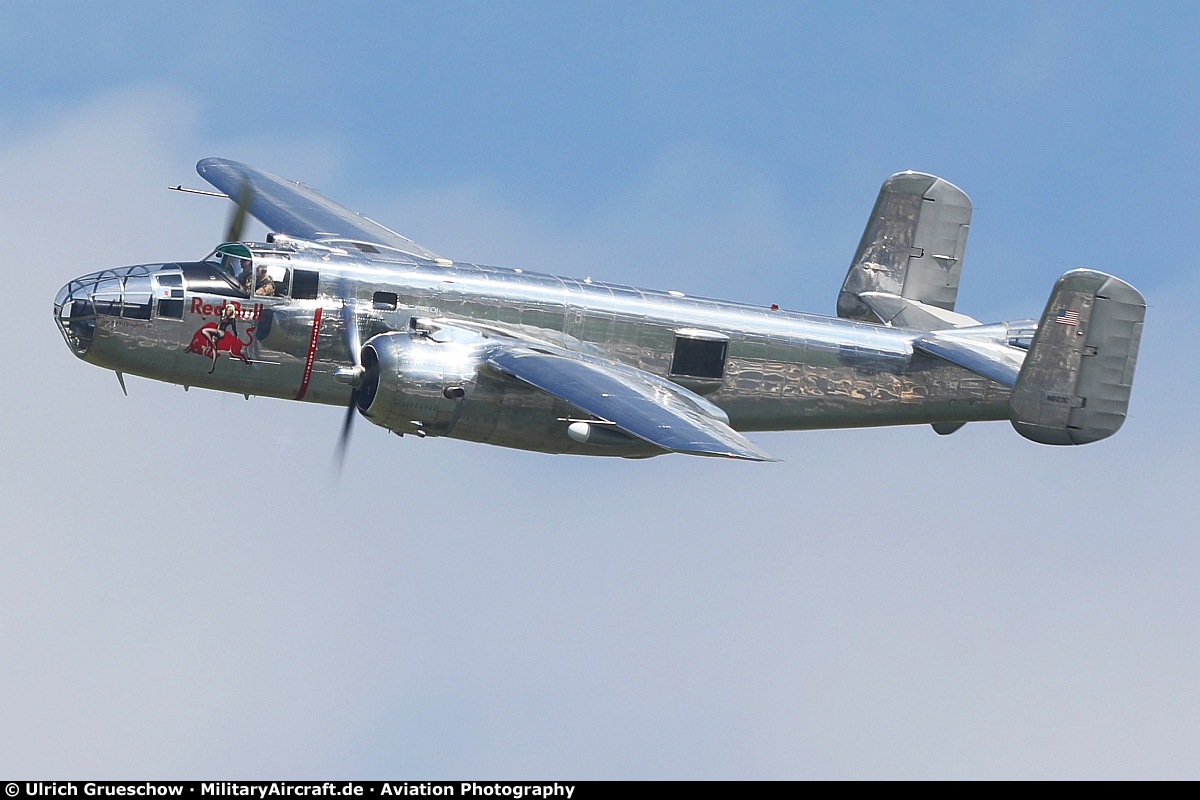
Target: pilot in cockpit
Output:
[
  {"x": 245, "y": 276},
  {"x": 264, "y": 286}
]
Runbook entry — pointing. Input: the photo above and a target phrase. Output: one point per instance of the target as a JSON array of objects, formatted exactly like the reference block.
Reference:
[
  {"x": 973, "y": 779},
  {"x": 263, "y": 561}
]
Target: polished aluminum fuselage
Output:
[{"x": 784, "y": 371}]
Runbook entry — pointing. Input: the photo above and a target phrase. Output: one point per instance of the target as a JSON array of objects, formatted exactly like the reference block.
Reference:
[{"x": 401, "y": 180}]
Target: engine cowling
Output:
[
  {"x": 414, "y": 384},
  {"x": 428, "y": 381}
]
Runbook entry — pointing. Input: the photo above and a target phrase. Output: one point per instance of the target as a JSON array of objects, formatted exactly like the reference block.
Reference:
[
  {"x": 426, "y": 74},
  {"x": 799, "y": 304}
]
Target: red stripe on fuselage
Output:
[{"x": 312, "y": 353}]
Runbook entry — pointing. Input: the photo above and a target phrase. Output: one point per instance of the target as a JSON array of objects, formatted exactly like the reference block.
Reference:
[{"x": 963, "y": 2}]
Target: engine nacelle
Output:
[
  {"x": 428, "y": 381},
  {"x": 414, "y": 384}
]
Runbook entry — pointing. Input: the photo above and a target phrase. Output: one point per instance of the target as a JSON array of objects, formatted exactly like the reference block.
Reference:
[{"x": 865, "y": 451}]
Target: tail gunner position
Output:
[{"x": 335, "y": 308}]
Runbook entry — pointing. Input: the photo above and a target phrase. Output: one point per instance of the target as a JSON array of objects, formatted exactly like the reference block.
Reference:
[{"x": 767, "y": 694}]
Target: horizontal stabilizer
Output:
[
  {"x": 1075, "y": 384},
  {"x": 901, "y": 312},
  {"x": 986, "y": 357}
]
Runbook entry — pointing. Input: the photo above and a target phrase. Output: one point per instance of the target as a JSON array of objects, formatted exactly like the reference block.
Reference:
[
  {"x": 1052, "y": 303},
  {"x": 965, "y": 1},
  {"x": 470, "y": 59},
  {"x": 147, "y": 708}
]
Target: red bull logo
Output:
[
  {"x": 210, "y": 342},
  {"x": 215, "y": 338},
  {"x": 206, "y": 309}
]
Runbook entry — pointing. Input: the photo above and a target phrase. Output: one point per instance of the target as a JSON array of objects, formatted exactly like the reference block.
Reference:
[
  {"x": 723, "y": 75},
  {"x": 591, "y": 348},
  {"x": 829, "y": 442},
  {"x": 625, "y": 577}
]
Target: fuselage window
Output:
[
  {"x": 107, "y": 297},
  {"x": 137, "y": 297},
  {"x": 168, "y": 288},
  {"x": 304, "y": 284},
  {"x": 385, "y": 301},
  {"x": 79, "y": 307},
  {"x": 699, "y": 358}
]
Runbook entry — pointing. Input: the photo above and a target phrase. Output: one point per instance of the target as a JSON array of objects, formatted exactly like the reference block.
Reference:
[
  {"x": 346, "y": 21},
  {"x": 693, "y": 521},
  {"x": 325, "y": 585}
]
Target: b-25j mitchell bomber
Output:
[{"x": 334, "y": 308}]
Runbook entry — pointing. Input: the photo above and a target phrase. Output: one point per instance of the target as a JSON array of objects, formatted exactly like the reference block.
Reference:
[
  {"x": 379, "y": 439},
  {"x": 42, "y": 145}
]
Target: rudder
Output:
[
  {"x": 1075, "y": 383},
  {"x": 912, "y": 247}
]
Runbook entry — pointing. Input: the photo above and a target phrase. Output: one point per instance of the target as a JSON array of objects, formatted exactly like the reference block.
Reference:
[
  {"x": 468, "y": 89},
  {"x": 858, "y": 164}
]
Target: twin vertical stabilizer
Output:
[
  {"x": 1074, "y": 385},
  {"x": 908, "y": 263}
]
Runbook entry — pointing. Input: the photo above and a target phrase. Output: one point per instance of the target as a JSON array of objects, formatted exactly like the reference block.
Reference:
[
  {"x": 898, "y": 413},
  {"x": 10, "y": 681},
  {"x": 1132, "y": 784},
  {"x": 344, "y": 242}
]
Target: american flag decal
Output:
[{"x": 1067, "y": 317}]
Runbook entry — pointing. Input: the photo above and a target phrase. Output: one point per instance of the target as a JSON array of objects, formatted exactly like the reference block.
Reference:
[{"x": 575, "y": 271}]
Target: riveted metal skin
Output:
[
  {"x": 912, "y": 246},
  {"x": 1075, "y": 384},
  {"x": 784, "y": 370},
  {"x": 430, "y": 328}
]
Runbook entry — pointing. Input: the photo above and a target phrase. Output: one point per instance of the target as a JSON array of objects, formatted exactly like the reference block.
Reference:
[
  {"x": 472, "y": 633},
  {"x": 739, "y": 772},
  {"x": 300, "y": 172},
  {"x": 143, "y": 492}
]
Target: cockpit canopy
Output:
[{"x": 249, "y": 270}]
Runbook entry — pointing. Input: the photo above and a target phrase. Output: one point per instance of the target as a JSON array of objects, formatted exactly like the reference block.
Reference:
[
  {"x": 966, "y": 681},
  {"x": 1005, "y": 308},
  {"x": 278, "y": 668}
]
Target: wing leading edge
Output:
[
  {"x": 640, "y": 404},
  {"x": 295, "y": 210}
]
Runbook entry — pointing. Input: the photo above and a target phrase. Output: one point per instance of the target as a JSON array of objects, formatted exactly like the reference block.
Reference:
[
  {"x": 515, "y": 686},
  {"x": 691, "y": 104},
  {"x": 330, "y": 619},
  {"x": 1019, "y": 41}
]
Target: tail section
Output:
[
  {"x": 908, "y": 263},
  {"x": 1075, "y": 383}
]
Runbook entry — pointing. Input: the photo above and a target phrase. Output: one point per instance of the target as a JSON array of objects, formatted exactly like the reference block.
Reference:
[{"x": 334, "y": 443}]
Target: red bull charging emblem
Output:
[{"x": 222, "y": 336}]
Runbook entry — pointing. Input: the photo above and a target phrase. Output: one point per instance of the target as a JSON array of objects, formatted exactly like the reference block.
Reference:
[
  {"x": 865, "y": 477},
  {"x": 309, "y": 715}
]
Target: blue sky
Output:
[{"x": 184, "y": 591}]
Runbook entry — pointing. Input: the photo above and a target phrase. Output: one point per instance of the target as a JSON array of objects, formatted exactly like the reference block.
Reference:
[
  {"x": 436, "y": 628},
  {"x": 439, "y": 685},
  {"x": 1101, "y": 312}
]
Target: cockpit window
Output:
[
  {"x": 210, "y": 278},
  {"x": 271, "y": 280},
  {"x": 234, "y": 261},
  {"x": 234, "y": 249}
]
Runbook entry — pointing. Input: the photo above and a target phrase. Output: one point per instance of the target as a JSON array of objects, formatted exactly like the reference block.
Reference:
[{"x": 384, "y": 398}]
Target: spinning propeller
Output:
[
  {"x": 241, "y": 208},
  {"x": 351, "y": 376}
]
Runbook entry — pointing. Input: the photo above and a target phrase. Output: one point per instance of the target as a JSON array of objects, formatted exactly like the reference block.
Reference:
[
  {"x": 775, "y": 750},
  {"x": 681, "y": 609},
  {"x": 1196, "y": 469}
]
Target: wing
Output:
[
  {"x": 640, "y": 404},
  {"x": 295, "y": 210}
]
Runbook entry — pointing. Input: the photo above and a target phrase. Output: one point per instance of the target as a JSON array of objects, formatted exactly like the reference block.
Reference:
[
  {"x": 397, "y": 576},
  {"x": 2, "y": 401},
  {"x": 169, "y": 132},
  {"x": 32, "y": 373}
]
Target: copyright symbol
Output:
[{"x": 12, "y": 790}]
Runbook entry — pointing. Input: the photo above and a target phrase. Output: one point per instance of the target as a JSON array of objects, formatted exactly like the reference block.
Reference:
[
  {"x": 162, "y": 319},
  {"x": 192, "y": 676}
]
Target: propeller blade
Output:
[
  {"x": 351, "y": 376},
  {"x": 352, "y": 333},
  {"x": 344, "y": 439},
  {"x": 241, "y": 207}
]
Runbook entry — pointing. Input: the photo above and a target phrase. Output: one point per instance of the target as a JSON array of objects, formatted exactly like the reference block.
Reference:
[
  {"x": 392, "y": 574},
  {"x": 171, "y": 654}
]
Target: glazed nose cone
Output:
[{"x": 75, "y": 314}]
